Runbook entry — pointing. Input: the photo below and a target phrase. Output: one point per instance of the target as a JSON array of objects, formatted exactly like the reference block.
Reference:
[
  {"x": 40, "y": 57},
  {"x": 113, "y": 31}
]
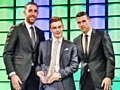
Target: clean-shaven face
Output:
[
  {"x": 83, "y": 23},
  {"x": 57, "y": 29}
]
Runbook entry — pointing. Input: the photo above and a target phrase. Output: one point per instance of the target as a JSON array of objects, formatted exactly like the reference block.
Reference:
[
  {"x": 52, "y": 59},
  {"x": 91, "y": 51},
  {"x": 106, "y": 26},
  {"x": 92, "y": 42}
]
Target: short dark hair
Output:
[
  {"x": 79, "y": 14},
  {"x": 31, "y": 3},
  {"x": 55, "y": 19}
]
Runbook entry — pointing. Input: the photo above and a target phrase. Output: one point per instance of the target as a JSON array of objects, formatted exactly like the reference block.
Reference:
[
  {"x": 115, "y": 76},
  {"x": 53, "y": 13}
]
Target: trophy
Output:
[{"x": 48, "y": 71}]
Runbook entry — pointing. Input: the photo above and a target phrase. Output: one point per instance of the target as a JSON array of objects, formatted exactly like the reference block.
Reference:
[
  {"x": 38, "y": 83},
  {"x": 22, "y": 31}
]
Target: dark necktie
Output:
[
  {"x": 32, "y": 36},
  {"x": 86, "y": 44}
]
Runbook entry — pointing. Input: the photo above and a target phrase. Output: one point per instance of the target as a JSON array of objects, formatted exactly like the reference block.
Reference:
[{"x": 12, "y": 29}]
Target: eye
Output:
[
  {"x": 30, "y": 10},
  {"x": 84, "y": 21},
  {"x": 35, "y": 10},
  {"x": 78, "y": 22},
  {"x": 53, "y": 27},
  {"x": 59, "y": 26}
]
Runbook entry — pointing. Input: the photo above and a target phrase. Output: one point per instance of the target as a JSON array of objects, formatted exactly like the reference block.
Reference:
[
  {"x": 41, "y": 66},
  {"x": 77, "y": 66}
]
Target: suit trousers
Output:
[
  {"x": 57, "y": 85},
  {"x": 89, "y": 84},
  {"x": 31, "y": 83}
]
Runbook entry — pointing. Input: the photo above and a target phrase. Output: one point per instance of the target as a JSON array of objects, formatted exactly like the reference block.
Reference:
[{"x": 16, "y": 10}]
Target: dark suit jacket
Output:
[
  {"x": 100, "y": 60},
  {"x": 68, "y": 62},
  {"x": 19, "y": 52}
]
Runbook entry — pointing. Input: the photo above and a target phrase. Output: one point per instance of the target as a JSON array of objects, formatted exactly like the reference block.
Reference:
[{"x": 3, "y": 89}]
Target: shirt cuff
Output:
[{"x": 12, "y": 73}]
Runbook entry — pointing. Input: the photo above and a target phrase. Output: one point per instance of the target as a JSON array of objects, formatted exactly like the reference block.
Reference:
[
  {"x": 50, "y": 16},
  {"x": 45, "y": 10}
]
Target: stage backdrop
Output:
[{"x": 104, "y": 14}]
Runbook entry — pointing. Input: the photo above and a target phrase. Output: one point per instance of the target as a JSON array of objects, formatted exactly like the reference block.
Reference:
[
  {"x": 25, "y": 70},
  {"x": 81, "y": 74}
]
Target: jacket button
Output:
[
  {"x": 88, "y": 70},
  {"x": 32, "y": 64}
]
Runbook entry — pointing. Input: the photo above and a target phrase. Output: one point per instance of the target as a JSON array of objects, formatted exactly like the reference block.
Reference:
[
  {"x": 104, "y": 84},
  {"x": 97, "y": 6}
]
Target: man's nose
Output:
[
  {"x": 33, "y": 13},
  {"x": 81, "y": 24},
  {"x": 57, "y": 29}
]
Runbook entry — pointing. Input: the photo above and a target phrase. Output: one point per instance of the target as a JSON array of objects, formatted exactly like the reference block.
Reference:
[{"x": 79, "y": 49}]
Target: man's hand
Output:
[
  {"x": 54, "y": 77},
  {"x": 16, "y": 82},
  {"x": 65, "y": 38},
  {"x": 106, "y": 83},
  {"x": 40, "y": 74}
]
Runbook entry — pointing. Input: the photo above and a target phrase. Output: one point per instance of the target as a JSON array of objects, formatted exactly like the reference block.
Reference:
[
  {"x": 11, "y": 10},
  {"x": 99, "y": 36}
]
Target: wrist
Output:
[
  {"x": 59, "y": 76},
  {"x": 12, "y": 73},
  {"x": 12, "y": 76}
]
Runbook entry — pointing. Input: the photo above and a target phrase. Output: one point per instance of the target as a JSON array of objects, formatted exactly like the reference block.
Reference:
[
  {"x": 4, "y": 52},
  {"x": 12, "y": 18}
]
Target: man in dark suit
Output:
[
  {"x": 21, "y": 51},
  {"x": 62, "y": 64},
  {"x": 96, "y": 55}
]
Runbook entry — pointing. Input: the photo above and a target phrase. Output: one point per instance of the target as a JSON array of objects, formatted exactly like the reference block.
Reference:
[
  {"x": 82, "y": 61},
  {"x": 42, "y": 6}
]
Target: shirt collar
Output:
[
  {"x": 54, "y": 39},
  {"x": 28, "y": 25}
]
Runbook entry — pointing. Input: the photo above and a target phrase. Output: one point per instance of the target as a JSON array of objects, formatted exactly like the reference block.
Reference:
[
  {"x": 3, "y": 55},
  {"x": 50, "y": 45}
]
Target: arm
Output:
[
  {"x": 39, "y": 60},
  {"x": 8, "y": 54},
  {"x": 75, "y": 42},
  {"x": 109, "y": 54},
  {"x": 39, "y": 71},
  {"x": 9, "y": 49},
  {"x": 42, "y": 36},
  {"x": 110, "y": 64}
]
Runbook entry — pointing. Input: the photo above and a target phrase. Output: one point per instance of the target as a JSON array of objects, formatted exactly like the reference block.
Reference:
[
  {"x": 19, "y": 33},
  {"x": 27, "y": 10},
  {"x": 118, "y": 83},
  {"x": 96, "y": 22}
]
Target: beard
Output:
[{"x": 31, "y": 22}]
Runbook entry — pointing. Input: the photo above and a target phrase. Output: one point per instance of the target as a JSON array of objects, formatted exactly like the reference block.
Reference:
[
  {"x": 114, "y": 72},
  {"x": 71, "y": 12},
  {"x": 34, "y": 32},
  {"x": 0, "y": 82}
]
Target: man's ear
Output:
[
  {"x": 50, "y": 30},
  {"x": 24, "y": 12}
]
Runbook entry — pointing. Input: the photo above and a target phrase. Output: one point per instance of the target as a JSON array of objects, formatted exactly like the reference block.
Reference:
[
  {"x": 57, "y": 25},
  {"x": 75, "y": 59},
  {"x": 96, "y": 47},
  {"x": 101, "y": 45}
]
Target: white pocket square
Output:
[{"x": 65, "y": 49}]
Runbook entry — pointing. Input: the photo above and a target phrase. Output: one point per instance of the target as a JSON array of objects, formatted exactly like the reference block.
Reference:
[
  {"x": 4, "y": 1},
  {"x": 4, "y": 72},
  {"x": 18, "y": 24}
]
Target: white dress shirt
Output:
[
  {"x": 57, "y": 66},
  {"x": 89, "y": 38},
  {"x": 29, "y": 30}
]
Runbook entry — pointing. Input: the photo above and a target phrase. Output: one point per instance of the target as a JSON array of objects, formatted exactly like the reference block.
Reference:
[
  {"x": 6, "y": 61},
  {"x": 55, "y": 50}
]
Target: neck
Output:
[
  {"x": 58, "y": 38},
  {"x": 87, "y": 30},
  {"x": 30, "y": 23}
]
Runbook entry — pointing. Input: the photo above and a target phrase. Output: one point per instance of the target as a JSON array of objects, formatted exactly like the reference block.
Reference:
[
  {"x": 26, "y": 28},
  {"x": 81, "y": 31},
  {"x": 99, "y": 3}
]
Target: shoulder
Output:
[
  {"x": 40, "y": 34},
  {"x": 99, "y": 31},
  {"x": 69, "y": 43},
  {"x": 45, "y": 42},
  {"x": 38, "y": 29},
  {"x": 18, "y": 25},
  {"x": 77, "y": 38},
  {"x": 15, "y": 28}
]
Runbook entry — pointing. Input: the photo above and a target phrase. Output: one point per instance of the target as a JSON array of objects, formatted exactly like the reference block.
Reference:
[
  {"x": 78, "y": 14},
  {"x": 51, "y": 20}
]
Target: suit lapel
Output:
[
  {"x": 48, "y": 52},
  {"x": 24, "y": 29},
  {"x": 80, "y": 47},
  {"x": 81, "y": 44},
  {"x": 37, "y": 39},
  {"x": 93, "y": 37},
  {"x": 62, "y": 48}
]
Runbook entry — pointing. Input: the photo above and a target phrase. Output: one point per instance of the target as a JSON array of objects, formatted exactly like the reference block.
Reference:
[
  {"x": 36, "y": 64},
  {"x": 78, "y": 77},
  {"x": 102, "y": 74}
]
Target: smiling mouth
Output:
[
  {"x": 57, "y": 33},
  {"x": 32, "y": 17}
]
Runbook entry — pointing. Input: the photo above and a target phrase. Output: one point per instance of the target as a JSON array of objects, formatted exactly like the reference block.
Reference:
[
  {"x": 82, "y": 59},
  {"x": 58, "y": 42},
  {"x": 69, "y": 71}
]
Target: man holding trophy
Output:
[{"x": 57, "y": 60}]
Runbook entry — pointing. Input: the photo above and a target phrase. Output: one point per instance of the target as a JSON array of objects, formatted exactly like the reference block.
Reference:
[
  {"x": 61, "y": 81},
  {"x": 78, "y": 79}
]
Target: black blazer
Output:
[
  {"x": 100, "y": 60},
  {"x": 19, "y": 52},
  {"x": 68, "y": 61}
]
